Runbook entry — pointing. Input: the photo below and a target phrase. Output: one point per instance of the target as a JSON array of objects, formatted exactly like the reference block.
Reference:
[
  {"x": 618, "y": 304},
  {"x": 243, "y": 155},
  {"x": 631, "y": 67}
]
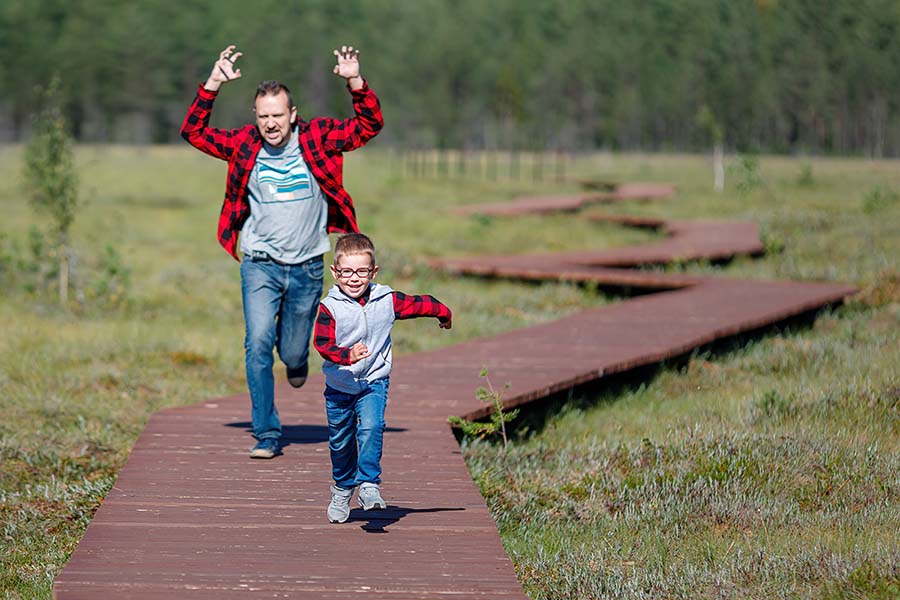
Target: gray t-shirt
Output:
[{"x": 288, "y": 212}]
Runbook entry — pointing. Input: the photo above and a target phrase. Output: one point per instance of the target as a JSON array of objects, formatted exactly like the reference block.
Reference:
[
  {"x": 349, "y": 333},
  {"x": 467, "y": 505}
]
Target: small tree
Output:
[
  {"x": 50, "y": 178},
  {"x": 498, "y": 418},
  {"x": 707, "y": 121}
]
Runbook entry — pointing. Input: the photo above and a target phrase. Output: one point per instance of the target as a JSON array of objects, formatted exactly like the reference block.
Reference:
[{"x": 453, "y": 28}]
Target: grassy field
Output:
[{"x": 767, "y": 471}]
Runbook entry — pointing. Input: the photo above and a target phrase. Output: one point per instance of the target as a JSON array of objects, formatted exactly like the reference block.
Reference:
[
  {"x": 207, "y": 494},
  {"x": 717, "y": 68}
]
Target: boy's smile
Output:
[{"x": 354, "y": 273}]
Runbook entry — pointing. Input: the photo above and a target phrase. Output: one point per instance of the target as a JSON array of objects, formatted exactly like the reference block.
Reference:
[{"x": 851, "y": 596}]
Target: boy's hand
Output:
[
  {"x": 445, "y": 324},
  {"x": 358, "y": 352}
]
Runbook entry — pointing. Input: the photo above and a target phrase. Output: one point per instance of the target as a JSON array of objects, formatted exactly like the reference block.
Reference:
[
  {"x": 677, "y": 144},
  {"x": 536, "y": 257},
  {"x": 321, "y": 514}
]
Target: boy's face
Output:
[{"x": 353, "y": 273}]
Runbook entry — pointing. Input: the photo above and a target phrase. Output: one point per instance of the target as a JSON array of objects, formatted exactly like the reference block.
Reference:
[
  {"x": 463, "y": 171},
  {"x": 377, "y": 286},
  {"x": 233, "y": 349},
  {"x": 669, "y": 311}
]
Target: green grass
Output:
[{"x": 768, "y": 471}]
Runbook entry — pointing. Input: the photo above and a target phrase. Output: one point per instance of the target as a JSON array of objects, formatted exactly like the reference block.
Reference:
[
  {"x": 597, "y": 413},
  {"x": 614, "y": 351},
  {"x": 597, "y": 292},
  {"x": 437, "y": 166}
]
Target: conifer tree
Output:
[{"x": 50, "y": 178}]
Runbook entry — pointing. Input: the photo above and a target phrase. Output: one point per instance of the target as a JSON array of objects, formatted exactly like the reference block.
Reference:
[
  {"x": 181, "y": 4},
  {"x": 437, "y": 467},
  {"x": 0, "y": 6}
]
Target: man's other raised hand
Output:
[
  {"x": 347, "y": 66},
  {"x": 223, "y": 71}
]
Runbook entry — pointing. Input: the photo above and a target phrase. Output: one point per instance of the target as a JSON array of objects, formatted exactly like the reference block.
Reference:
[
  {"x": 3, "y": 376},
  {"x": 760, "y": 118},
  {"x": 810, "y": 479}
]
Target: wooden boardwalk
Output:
[
  {"x": 686, "y": 241},
  {"x": 548, "y": 204},
  {"x": 190, "y": 516}
]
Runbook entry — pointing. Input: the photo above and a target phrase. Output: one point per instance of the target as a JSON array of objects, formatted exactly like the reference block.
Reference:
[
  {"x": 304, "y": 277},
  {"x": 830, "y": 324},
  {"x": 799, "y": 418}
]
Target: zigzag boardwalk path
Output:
[{"x": 191, "y": 516}]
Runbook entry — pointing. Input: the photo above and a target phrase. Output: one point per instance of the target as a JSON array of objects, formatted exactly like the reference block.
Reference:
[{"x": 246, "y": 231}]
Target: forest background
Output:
[{"x": 783, "y": 76}]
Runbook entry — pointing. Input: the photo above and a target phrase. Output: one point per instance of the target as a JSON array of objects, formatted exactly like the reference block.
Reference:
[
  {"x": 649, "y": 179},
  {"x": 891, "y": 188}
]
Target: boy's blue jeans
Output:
[
  {"x": 280, "y": 306},
  {"x": 356, "y": 433}
]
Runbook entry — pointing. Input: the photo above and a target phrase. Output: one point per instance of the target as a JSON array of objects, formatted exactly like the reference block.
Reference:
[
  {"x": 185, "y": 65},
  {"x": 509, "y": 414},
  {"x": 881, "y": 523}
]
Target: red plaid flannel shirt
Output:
[
  {"x": 406, "y": 306},
  {"x": 322, "y": 142}
]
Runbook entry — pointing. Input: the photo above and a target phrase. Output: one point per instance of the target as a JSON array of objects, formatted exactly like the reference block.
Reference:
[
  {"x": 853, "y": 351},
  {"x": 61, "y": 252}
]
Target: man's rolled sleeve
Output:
[
  {"x": 353, "y": 133},
  {"x": 196, "y": 131}
]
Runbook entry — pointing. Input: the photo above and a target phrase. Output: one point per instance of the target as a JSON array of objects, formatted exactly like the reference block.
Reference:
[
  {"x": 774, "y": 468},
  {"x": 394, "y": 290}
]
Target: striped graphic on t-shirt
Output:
[{"x": 284, "y": 183}]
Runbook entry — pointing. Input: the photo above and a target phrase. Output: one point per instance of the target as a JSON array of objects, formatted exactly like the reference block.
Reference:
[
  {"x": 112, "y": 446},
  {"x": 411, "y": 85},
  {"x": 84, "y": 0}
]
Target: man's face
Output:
[{"x": 274, "y": 118}]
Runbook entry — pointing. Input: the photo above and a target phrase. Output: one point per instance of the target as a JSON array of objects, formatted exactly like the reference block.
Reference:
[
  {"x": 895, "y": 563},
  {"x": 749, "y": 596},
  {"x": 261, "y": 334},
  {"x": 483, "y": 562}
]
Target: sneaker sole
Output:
[
  {"x": 297, "y": 382},
  {"x": 373, "y": 506},
  {"x": 330, "y": 520},
  {"x": 262, "y": 454}
]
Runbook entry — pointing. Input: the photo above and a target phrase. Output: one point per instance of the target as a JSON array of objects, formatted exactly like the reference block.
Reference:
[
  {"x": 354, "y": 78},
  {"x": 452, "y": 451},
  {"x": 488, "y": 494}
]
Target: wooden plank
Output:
[{"x": 531, "y": 205}]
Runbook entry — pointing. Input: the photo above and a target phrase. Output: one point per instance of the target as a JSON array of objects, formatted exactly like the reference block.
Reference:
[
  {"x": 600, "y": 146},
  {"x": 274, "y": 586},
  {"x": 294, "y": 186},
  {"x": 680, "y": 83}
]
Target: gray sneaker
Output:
[
  {"x": 370, "y": 497},
  {"x": 339, "y": 507}
]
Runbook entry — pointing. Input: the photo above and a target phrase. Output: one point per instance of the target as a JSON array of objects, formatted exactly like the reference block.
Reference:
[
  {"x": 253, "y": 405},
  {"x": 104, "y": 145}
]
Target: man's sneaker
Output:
[
  {"x": 370, "y": 497},
  {"x": 297, "y": 377},
  {"x": 339, "y": 507},
  {"x": 266, "y": 448}
]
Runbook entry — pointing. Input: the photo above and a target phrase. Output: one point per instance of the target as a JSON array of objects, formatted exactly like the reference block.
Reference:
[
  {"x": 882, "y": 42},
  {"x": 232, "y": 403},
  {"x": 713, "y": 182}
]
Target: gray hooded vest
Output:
[{"x": 370, "y": 324}]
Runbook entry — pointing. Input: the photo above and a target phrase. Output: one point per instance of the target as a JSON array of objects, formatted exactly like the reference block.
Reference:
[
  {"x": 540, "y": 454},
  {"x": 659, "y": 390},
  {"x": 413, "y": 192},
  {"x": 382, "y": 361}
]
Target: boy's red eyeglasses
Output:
[{"x": 361, "y": 273}]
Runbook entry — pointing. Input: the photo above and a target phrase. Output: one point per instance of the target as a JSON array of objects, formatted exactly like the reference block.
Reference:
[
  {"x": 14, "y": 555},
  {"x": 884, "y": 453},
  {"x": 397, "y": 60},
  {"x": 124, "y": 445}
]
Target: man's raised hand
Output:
[
  {"x": 223, "y": 70},
  {"x": 348, "y": 66}
]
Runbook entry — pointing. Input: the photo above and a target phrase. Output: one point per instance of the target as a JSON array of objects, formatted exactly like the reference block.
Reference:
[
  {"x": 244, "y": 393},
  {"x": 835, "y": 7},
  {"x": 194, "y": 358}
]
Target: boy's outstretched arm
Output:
[
  {"x": 409, "y": 306},
  {"x": 325, "y": 341}
]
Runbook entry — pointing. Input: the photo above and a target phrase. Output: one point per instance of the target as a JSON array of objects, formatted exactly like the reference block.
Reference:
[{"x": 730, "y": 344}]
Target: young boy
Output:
[{"x": 353, "y": 335}]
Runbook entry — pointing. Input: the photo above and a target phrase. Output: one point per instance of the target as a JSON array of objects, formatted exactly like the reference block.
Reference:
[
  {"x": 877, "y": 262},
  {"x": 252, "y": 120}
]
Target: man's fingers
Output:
[
  {"x": 346, "y": 52},
  {"x": 346, "y": 57},
  {"x": 225, "y": 64}
]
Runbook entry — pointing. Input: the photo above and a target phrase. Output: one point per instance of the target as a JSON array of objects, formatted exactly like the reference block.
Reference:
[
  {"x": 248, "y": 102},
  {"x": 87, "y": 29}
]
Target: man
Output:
[{"x": 283, "y": 195}]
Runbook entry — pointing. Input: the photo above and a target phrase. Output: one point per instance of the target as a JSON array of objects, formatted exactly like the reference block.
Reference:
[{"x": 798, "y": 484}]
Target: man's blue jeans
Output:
[
  {"x": 356, "y": 433},
  {"x": 280, "y": 306}
]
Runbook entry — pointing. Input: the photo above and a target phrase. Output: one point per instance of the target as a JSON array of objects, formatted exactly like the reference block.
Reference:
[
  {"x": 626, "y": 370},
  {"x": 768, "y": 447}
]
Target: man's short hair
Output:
[
  {"x": 353, "y": 243},
  {"x": 271, "y": 87}
]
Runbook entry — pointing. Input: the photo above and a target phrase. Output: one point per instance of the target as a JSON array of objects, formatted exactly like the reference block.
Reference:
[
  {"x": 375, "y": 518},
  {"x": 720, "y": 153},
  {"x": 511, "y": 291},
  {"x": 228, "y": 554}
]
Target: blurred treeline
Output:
[{"x": 775, "y": 75}]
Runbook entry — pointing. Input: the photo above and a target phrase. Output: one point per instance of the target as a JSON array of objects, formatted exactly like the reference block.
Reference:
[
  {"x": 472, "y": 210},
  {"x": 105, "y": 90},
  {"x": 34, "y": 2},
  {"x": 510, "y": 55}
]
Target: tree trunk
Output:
[
  {"x": 63, "y": 274},
  {"x": 718, "y": 167}
]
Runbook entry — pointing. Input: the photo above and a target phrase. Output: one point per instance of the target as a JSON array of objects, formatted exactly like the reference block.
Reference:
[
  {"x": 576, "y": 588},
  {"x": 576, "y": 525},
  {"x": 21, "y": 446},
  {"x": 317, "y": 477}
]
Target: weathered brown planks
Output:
[
  {"x": 548, "y": 204},
  {"x": 685, "y": 241},
  {"x": 191, "y": 516}
]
